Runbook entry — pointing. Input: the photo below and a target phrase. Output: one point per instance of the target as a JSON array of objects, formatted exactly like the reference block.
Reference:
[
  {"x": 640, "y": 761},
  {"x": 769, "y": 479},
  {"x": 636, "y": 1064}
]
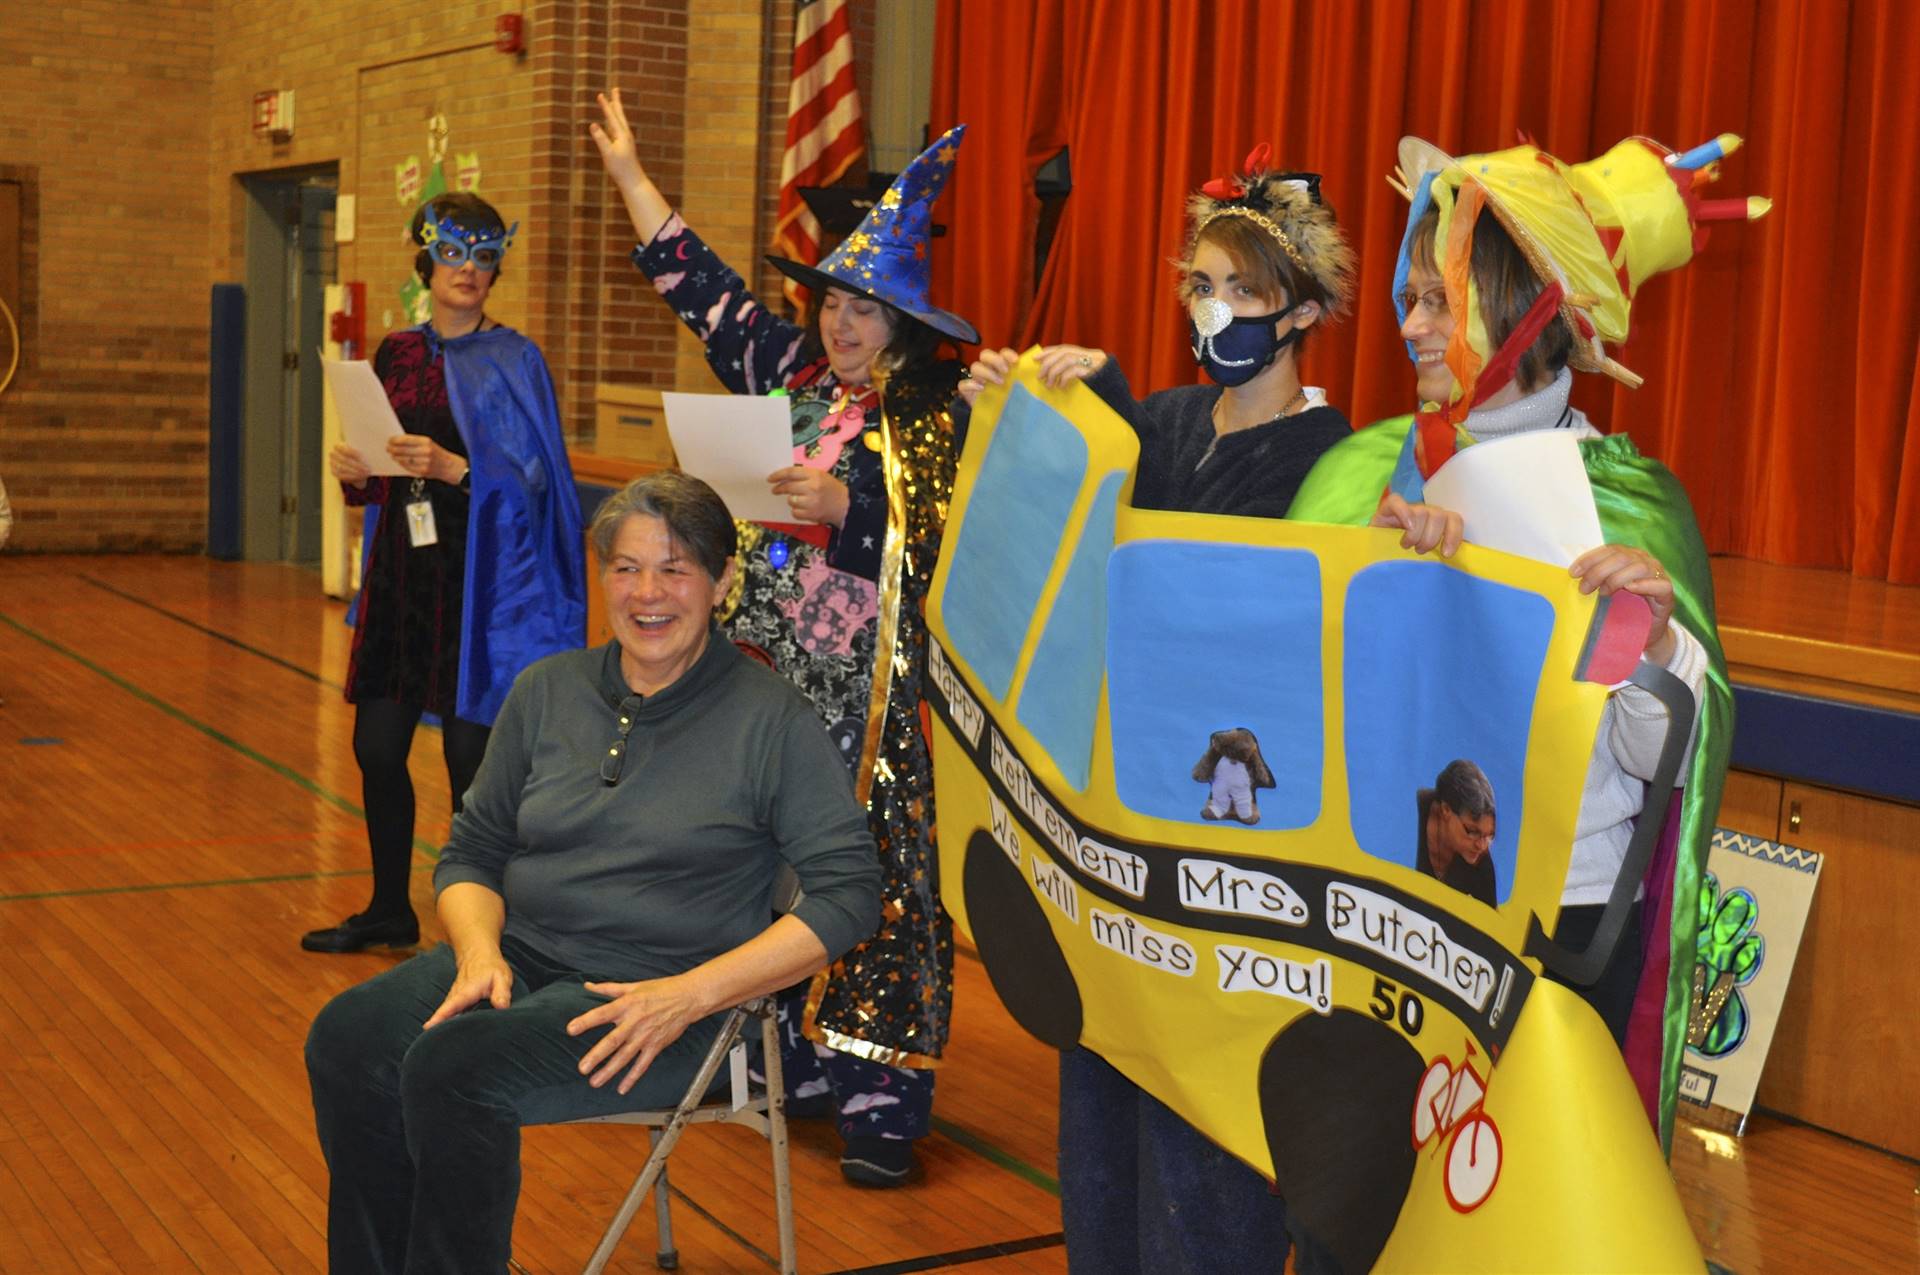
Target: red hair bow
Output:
[{"x": 1231, "y": 187}]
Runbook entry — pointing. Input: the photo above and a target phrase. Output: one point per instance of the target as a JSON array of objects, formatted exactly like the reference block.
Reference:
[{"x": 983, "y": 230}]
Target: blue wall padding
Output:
[
  {"x": 226, "y": 389},
  {"x": 1205, "y": 637},
  {"x": 1021, "y": 499},
  {"x": 1439, "y": 665},
  {"x": 1062, "y": 692},
  {"x": 1856, "y": 746}
]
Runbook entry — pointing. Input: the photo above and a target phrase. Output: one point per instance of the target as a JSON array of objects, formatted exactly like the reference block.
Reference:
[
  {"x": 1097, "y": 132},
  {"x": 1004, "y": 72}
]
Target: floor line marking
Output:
[
  {"x": 150, "y": 887},
  {"x": 428, "y": 720},
  {"x": 228, "y": 638},
  {"x": 988, "y": 1151},
  {"x": 141, "y": 847},
  {"x": 959, "y": 1257},
  {"x": 279, "y": 768},
  {"x": 673, "y": 1189}
]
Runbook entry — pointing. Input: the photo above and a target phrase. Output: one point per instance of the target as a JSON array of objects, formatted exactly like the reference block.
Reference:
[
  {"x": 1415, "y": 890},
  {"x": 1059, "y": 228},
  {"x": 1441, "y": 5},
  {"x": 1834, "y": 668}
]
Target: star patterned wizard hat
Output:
[{"x": 886, "y": 257}]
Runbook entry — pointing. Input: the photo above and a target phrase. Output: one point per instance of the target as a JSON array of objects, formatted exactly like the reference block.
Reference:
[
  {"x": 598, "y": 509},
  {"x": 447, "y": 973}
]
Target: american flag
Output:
[{"x": 824, "y": 136}]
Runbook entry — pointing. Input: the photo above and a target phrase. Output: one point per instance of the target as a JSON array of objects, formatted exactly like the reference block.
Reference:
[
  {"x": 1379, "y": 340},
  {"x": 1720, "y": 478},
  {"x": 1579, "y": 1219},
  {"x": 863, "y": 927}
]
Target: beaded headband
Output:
[
  {"x": 1271, "y": 226},
  {"x": 1311, "y": 237}
]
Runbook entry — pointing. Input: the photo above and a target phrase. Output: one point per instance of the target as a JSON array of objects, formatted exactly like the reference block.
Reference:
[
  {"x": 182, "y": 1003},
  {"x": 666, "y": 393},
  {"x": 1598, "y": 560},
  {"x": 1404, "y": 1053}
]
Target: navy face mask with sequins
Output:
[{"x": 1234, "y": 350}]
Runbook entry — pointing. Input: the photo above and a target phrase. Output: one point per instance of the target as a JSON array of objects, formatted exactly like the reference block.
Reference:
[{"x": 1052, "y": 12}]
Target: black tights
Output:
[{"x": 382, "y": 738}]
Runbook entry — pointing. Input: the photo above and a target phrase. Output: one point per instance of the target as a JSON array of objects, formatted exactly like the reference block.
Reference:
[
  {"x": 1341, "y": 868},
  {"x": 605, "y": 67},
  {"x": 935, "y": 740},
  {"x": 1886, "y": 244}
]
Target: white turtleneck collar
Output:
[{"x": 1545, "y": 408}]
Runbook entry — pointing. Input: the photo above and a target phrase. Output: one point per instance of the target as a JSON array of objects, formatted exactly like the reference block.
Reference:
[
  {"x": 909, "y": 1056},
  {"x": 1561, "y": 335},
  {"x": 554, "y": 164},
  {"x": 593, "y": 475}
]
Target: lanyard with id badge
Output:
[{"x": 421, "y": 531}]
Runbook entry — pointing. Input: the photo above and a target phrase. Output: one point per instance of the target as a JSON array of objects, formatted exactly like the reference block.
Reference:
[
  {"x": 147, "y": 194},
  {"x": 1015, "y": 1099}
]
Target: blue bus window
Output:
[
  {"x": 1021, "y": 500},
  {"x": 1441, "y": 667},
  {"x": 1061, "y": 696},
  {"x": 1209, "y": 638}
]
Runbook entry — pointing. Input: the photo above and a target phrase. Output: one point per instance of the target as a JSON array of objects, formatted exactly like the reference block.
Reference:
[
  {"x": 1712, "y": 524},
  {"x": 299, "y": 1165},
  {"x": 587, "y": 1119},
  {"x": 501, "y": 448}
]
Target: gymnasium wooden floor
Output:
[{"x": 178, "y": 802}]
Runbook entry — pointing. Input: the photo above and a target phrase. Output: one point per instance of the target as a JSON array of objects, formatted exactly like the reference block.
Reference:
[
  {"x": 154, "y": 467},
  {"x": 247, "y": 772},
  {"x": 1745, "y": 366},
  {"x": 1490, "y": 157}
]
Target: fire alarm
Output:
[{"x": 509, "y": 33}]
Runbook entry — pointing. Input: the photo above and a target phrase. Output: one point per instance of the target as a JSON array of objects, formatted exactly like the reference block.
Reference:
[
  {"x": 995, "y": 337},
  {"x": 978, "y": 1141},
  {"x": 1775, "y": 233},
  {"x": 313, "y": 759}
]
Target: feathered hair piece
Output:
[{"x": 1288, "y": 207}]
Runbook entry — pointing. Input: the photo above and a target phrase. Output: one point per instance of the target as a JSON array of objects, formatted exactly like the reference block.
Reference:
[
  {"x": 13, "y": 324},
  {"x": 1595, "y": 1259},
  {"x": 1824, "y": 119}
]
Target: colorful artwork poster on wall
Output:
[
  {"x": 1754, "y": 901},
  {"x": 1275, "y": 817},
  {"x": 414, "y": 185}
]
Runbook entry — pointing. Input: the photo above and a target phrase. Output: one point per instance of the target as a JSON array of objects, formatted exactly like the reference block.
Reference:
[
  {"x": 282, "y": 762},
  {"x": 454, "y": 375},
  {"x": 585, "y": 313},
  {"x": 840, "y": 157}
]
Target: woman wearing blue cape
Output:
[{"x": 475, "y": 565}]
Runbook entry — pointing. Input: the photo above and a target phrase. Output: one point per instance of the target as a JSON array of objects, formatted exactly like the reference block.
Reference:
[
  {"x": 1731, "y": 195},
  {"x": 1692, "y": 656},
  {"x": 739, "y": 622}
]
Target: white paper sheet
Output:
[
  {"x": 732, "y": 442},
  {"x": 1527, "y": 494},
  {"x": 366, "y": 418}
]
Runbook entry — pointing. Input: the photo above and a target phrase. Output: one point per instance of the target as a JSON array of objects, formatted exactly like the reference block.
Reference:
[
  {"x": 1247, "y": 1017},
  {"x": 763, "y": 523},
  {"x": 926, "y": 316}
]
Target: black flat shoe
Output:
[
  {"x": 879, "y": 1162},
  {"x": 361, "y": 931}
]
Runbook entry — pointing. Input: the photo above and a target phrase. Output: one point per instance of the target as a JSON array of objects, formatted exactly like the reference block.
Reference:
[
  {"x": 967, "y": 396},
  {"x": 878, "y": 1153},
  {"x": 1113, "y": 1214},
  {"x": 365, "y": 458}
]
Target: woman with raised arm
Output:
[{"x": 833, "y": 601}]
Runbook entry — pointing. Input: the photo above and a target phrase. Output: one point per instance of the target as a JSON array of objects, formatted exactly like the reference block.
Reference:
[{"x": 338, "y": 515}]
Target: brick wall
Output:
[
  {"x": 370, "y": 76},
  {"x": 602, "y": 321},
  {"x": 103, "y": 125},
  {"x": 127, "y": 126}
]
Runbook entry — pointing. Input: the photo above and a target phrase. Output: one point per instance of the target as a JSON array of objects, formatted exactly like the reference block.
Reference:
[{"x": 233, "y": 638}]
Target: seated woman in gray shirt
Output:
[{"x": 606, "y": 893}]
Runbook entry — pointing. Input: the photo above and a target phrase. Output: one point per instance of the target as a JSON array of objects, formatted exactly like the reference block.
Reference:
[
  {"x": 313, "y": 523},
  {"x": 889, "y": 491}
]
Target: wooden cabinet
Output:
[
  {"x": 1750, "y": 803},
  {"x": 1846, "y": 1055},
  {"x": 630, "y": 423},
  {"x": 1826, "y": 670}
]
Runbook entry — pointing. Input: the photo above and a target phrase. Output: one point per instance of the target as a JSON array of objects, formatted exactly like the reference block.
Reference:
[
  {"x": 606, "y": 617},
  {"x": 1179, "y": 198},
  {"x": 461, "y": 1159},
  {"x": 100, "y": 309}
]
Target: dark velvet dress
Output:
[{"x": 406, "y": 646}]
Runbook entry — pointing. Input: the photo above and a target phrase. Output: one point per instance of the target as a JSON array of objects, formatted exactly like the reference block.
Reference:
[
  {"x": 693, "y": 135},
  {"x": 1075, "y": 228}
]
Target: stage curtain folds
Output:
[{"x": 1782, "y": 382}]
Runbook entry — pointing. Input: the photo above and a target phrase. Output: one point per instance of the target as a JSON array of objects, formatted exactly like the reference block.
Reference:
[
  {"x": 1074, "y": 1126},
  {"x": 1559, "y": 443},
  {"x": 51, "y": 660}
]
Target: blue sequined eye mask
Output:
[{"x": 453, "y": 245}]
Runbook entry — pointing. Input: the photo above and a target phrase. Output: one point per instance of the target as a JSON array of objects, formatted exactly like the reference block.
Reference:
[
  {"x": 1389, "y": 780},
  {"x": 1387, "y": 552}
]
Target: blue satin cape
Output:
[{"x": 526, "y": 590}]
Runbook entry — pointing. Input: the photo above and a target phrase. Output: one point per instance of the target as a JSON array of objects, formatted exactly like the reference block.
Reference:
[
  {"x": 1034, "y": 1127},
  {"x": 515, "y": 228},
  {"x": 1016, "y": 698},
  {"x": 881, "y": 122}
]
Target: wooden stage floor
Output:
[{"x": 179, "y": 801}]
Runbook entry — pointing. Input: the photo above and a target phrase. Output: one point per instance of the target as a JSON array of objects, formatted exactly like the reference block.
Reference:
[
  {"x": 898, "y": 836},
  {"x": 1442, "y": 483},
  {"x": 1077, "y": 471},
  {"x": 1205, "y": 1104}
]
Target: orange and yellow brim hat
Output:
[{"x": 1599, "y": 229}]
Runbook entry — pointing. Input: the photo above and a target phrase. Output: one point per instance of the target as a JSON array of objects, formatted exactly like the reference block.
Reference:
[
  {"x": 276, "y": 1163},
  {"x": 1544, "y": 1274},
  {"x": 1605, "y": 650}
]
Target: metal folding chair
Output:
[{"x": 762, "y": 1109}]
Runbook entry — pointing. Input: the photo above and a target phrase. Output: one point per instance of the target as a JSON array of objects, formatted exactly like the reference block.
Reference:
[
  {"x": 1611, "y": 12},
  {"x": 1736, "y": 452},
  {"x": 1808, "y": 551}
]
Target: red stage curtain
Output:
[{"x": 1780, "y": 366}]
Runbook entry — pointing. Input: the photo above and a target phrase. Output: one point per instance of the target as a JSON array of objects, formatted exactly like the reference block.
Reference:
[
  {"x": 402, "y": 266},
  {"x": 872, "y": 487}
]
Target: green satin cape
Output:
[{"x": 1641, "y": 504}]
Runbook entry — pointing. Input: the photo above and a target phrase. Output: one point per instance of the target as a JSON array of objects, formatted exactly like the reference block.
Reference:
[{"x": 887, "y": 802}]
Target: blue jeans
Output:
[
  {"x": 421, "y": 1130},
  {"x": 1143, "y": 1193}
]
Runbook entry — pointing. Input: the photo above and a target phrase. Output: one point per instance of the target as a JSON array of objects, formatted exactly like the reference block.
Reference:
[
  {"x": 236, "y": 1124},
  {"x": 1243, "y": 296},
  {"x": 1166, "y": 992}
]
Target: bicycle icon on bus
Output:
[{"x": 1453, "y": 1100}]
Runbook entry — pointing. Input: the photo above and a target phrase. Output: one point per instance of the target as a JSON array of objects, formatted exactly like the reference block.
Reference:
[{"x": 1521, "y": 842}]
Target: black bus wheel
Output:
[
  {"x": 1335, "y": 1093},
  {"x": 1017, "y": 946}
]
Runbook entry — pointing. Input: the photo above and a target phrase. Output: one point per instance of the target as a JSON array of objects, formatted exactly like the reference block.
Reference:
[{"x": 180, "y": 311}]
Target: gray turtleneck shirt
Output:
[{"x": 725, "y": 773}]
